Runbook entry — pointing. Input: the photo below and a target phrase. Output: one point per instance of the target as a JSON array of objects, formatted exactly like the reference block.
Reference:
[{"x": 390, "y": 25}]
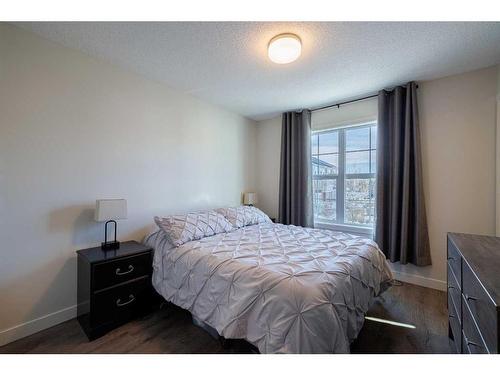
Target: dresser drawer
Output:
[
  {"x": 120, "y": 270},
  {"x": 122, "y": 302},
  {"x": 482, "y": 308},
  {"x": 454, "y": 325},
  {"x": 455, "y": 261},
  {"x": 454, "y": 293},
  {"x": 472, "y": 340}
]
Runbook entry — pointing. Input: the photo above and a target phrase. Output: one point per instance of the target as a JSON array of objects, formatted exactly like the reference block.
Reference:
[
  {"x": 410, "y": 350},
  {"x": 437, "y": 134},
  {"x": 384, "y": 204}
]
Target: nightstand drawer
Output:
[
  {"x": 120, "y": 270},
  {"x": 121, "y": 303}
]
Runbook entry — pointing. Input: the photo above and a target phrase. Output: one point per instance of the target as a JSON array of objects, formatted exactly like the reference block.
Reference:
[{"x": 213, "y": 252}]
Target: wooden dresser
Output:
[{"x": 474, "y": 293}]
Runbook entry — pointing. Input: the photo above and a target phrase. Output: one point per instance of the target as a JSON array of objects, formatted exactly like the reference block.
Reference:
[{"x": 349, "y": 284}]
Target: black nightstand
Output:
[
  {"x": 273, "y": 219},
  {"x": 114, "y": 286}
]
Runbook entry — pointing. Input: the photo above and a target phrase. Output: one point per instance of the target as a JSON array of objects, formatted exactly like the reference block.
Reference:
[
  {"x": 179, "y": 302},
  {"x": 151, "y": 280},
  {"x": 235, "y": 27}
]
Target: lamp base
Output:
[{"x": 112, "y": 245}]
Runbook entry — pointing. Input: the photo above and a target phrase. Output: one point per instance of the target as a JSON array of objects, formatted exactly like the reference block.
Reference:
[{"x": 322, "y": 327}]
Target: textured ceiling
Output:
[{"x": 226, "y": 63}]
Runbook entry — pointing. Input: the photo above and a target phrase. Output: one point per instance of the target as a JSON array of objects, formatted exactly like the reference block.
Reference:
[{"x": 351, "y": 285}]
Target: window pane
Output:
[
  {"x": 328, "y": 142},
  {"x": 357, "y": 139},
  {"x": 360, "y": 201},
  {"x": 325, "y": 164},
  {"x": 357, "y": 162},
  {"x": 373, "y": 162},
  {"x": 315, "y": 166},
  {"x": 325, "y": 204},
  {"x": 314, "y": 144},
  {"x": 373, "y": 130}
]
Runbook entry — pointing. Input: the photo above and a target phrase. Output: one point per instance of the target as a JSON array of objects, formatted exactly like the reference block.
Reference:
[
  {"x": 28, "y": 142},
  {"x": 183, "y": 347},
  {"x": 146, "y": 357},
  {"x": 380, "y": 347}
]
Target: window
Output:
[{"x": 344, "y": 165}]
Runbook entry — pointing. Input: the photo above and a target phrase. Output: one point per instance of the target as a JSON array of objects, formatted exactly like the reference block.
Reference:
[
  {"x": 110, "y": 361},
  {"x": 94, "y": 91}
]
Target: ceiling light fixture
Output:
[{"x": 284, "y": 48}]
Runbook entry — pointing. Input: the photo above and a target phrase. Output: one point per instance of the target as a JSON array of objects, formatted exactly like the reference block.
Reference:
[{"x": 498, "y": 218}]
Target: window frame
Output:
[{"x": 341, "y": 177}]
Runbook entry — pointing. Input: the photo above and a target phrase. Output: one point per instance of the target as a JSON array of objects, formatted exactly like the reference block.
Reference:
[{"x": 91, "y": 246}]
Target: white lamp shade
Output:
[
  {"x": 249, "y": 198},
  {"x": 110, "y": 209}
]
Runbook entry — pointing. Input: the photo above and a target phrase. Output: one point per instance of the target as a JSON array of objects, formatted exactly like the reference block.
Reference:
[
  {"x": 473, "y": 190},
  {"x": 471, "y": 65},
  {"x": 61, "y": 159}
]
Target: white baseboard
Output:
[
  {"x": 420, "y": 280},
  {"x": 36, "y": 325}
]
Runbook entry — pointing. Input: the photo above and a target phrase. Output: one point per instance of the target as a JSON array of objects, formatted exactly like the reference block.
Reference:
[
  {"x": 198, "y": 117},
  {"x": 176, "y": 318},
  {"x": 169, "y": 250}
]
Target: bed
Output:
[{"x": 282, "y": 288}]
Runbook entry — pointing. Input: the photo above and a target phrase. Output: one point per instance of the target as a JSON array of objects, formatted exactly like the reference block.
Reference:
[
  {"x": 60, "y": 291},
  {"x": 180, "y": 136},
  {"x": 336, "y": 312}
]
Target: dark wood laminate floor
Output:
[{"x": 170, "y": 330}]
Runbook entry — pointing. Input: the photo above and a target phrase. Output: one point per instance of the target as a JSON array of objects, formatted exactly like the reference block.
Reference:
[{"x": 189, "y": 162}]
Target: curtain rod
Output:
[
  {"x": 342, "y": 103},
  {"x": 346, "y": 102}
]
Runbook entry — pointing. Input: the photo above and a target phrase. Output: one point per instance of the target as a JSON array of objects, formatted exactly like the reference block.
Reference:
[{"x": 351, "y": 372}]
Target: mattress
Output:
[{"x": 283, "y": 288}]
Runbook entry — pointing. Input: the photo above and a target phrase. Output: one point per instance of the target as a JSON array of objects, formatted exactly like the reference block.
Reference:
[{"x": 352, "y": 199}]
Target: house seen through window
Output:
[{"x": 344, "y": 162}]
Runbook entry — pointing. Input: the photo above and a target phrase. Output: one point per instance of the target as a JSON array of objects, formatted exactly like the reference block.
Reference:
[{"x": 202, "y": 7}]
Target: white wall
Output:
[
  {"x": 74, "y": 129},
  {"x": 458, "y": 120},
  {"x": 268, "y": 165}
]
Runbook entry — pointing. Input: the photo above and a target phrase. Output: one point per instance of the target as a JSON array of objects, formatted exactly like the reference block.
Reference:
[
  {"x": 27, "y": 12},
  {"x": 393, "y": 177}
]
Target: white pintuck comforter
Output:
[{"x": 283, "y": 288}]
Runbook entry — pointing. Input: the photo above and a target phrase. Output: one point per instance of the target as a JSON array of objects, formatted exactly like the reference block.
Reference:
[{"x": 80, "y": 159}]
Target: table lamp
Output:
[
  {"x": 110, "y": 210},
  {"x": 249, "y": 199}
]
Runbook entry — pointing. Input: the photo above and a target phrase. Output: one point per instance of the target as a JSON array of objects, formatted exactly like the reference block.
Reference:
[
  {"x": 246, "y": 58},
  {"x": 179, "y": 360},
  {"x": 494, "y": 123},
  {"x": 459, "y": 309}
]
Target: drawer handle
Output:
[
  {"x": 451, "y": 258},
  {"x": 119, "y": 273},
  {"x": 473, "y": 344},
  {"x": 470, "y": 343},
  {"x": 470, "y": 298},
  {"x": 119, "y": 302}
]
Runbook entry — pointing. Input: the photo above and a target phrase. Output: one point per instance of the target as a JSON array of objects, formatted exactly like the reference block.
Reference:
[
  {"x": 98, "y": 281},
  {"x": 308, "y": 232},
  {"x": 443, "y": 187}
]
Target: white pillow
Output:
[
  {"x": 193, "y": 226},
  {"x": 244, "y": 215}
]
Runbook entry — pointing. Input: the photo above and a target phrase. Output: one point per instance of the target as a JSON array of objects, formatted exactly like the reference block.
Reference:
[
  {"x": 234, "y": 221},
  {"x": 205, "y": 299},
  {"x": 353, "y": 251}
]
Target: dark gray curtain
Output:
[
  {"x": 401, "y": 225},
  {"x": 295, "y": 194}
]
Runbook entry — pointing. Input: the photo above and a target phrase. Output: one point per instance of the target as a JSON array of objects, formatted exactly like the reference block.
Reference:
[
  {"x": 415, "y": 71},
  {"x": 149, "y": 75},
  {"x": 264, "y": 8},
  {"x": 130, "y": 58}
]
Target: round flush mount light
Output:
[{"x": 284, "y": 48}]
